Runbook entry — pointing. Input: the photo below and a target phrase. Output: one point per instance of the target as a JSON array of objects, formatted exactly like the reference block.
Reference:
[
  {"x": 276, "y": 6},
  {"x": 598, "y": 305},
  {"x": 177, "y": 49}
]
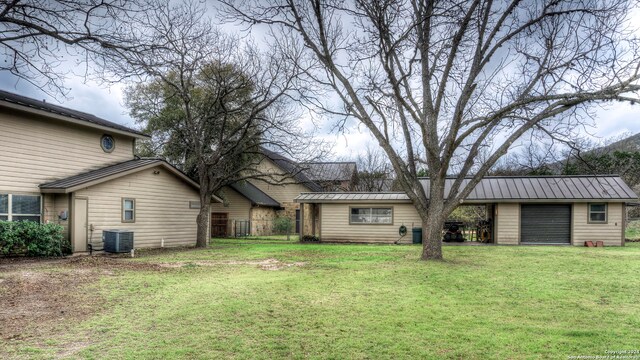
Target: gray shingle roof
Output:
[
  {"x": 291, "y": 167},
  {"x": 255, "y": 195},
  {"x": 330, "y": 171},
  {"x": 59, "y": 110},
  {"x": 516, "y": 188},
  {"x": 106, "y": 173}
]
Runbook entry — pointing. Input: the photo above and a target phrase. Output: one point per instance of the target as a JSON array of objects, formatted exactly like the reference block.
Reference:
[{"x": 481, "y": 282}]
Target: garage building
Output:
[{"x": 530, "y": 210}]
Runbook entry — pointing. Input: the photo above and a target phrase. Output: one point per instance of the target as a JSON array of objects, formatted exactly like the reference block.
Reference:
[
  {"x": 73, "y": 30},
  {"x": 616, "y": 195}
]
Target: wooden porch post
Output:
[{"x": 302, "y": 233}]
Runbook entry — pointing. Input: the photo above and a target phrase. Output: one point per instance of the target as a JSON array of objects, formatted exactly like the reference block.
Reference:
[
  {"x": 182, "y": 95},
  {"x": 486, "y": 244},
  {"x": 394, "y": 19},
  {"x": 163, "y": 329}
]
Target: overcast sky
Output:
[{"x": 107, "y": 102}]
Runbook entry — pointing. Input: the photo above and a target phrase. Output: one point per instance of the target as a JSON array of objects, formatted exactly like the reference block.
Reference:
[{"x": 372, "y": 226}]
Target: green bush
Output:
[
  {"x": 282, "y": 225},
  {"x": 32, "y": 239},
  {"x": 310, "y": 238}
]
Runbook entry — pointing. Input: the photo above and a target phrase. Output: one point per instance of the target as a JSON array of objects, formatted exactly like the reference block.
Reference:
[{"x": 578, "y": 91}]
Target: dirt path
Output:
[
  {"x": 42, "y": 298},
  {"x": 38, "y": 297}
]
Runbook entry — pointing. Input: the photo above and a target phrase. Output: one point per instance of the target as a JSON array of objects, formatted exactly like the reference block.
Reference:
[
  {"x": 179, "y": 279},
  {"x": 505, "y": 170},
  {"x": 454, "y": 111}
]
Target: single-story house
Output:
[
  {"x": 244, "y": 210},
  {"x": 251, "y": 207},
  {"x": 71, "y": 168},
  {"x": 566, "y": 210}
]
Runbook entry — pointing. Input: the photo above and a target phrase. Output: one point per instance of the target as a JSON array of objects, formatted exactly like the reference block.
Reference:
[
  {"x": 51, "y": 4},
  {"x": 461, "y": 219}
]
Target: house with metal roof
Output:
[
  {"x": 80, "y": 171},
  {"x": 567, "y": 210},
  {"x": 252, "y": 206}
]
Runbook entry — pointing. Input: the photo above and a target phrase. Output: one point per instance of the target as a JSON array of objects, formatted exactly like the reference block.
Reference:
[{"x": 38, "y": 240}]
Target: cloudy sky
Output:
[{"x": 107, "y": 102}]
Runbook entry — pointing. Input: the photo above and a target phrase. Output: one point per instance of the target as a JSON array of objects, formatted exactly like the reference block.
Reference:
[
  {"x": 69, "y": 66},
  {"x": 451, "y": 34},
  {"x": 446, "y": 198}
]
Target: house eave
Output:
[
  {"x": 71, "y": 120},
  {"x": 84, "y": 185}
]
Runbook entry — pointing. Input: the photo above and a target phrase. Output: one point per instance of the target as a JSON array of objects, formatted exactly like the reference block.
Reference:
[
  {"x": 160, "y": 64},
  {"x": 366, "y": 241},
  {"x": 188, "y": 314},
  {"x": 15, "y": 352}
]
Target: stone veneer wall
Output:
[
  {"x": 289, "y": 210},
  {"x": 262, "y": 221},
  {"x": 308, "y": 218}
]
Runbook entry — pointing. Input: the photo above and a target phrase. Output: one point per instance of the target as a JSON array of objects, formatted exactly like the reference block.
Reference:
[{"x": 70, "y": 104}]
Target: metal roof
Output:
[
  {"x": 583, "y": 187},
  {"x": 98, "y": 176},
  {"x": 255, "y": 195},
  {"x": 352, "y": 196},
  {"x": 295, "y": 169},
  {"x": 512, "y": 188},
  {"x": 84, "y": 118},
  {"x": 330, "y": 171}
]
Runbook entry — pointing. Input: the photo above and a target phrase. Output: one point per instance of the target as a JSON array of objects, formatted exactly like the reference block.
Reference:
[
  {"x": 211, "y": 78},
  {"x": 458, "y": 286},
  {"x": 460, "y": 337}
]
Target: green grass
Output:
[
  {"x": 366, "y": 301},
  {"x": 278, "y": 238},
  {"x": 633, "y": 230}
]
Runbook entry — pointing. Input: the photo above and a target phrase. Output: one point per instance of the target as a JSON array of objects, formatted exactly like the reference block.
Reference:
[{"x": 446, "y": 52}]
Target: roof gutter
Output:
[{"x": 467, "y": 202}]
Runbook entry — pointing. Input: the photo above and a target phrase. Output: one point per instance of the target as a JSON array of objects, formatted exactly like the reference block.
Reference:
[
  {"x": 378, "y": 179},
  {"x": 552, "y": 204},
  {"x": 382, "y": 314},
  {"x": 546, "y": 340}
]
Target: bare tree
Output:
[
  {"x": 375, "y": 172},
  {"x": 42, "y": 41},
  {"x": 211, "y": 102},
  {"x": 532, "y": 158},
  {"x": 438, "y": 83}
]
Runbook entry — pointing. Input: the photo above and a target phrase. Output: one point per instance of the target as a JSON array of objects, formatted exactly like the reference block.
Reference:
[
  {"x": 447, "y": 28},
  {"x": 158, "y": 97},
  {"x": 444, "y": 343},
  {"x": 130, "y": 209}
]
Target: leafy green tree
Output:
[
  {"x": 209, "y": 101},
  {"x": 621, "y": 162}
]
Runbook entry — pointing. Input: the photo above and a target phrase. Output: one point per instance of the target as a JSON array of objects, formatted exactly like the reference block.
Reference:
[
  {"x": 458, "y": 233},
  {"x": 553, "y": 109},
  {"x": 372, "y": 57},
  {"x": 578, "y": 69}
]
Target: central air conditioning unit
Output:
[{"x": 117, "y": 241}]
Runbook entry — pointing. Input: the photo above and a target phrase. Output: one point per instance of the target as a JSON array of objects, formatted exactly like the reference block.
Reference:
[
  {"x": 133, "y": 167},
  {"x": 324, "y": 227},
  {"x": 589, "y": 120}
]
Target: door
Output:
[
  {"x": 219, "y": 222},
  {"x": 80, "y": 207},
  {"x": 545, "y": 224}
]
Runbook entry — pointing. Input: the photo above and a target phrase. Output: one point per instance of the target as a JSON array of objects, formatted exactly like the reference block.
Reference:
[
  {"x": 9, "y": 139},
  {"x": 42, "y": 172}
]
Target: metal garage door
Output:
[{"x": 545, "y": 224}]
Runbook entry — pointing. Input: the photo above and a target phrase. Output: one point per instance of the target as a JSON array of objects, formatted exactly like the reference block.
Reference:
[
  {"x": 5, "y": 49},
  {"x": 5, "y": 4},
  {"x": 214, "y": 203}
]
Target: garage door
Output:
[{"x": 545, "y": 224}]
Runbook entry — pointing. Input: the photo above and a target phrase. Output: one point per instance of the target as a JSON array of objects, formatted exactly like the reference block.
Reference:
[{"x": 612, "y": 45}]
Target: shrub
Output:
[
  {"x": 282, "y": 225},
  {"x": 310, "y": 238},
  {"x": 32, "y": 239}
]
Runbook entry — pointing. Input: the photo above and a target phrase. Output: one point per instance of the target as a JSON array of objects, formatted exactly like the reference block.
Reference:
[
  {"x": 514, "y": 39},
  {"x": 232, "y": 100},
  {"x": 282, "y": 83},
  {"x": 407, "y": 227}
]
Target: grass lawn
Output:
[
  {"x": 265, "y": 238},
  {"x": 248, "y": 299},
  {"x": 633, "y": 230}
]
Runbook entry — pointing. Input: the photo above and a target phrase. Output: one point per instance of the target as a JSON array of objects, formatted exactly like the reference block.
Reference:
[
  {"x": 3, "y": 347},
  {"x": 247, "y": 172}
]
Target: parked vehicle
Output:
[{"x": 453, "y": 232}]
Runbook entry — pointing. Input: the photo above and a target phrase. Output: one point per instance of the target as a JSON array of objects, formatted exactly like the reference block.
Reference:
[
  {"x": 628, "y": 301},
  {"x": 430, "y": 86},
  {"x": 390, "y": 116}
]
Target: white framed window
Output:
[
  {"x": 128, "y": 210},
  {"x": 597, "y": 213},
  {"x": 4, "y": 207},
  {"x": 371, "y": 215},
  {"x": 15, "y": 207}
]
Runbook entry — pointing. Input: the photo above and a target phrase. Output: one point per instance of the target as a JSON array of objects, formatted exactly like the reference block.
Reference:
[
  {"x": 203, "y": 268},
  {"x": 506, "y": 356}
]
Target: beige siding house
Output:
[
  {"x": 80, "y": 171},
  {"x": 560, "y": 210},
  {"x": 250, "y": 207},
  {"x": 244, "y": 210},
  {"x": 337, "y": 225}
]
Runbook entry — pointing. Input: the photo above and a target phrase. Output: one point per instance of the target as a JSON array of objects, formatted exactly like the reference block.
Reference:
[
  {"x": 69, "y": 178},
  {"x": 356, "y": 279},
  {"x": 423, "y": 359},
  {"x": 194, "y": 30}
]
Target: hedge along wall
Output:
[{"x": 32, "y": 239}]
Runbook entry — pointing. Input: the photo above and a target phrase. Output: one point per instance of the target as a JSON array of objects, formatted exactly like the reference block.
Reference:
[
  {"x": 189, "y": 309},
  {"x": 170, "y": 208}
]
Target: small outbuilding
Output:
[{"x": 528, "y": 210}]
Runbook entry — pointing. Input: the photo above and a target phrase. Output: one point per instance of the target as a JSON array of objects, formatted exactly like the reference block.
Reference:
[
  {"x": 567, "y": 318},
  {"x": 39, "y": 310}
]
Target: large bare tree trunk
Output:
[
  {"x": 431, "y": 239},
  {"x": 432, "y": 227},
  {"x": 202, "y": 237},
  {"x": 455, "y": 103}
]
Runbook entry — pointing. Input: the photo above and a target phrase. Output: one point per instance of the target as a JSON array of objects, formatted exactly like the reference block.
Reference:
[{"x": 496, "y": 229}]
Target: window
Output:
[
  {"x": 4, "y": 207},
  {"x": 597, "y": 213},
  {"x": 371, "y": 215},
  {"x": 20, "y": 207},
  {"x": 128, "y": 210},
  {"x": 107, "y": 143},
  {"x": 194, "y": 205}
]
